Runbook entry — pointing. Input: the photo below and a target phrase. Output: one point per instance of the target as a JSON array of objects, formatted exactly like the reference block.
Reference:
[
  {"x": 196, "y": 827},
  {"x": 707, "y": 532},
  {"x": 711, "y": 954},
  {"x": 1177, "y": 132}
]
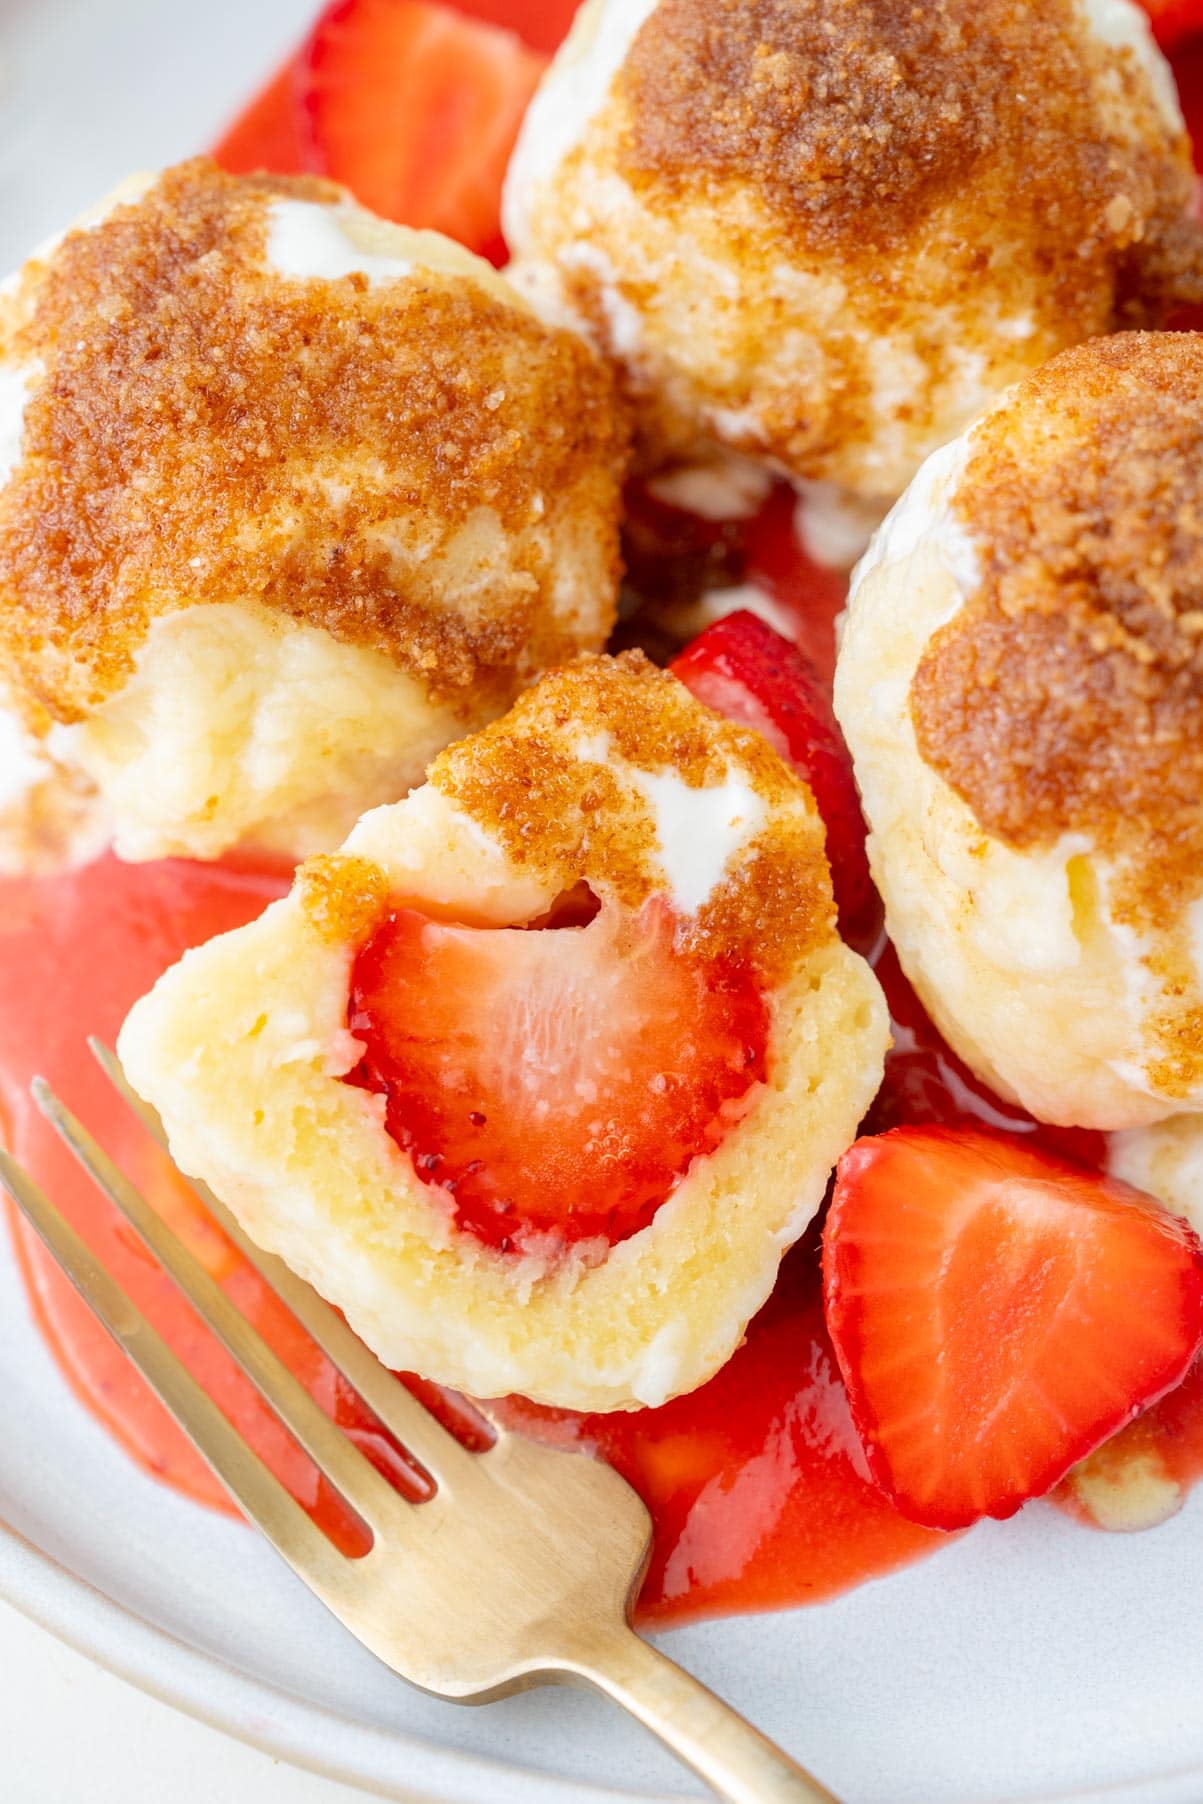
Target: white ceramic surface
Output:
[{"x": 1028, "y": 1661}]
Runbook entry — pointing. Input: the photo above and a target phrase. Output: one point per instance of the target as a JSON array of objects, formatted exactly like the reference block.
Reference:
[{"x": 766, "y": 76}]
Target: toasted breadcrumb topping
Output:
[
  {"x": 859, "y": 119},
  {"x": 344, "y": 897},
  {"x": 548, "y": 783},
  {"x": 551, "y": 784},
  {"x": 884, "y": 210},
  {"x": 383, "y": 461}
]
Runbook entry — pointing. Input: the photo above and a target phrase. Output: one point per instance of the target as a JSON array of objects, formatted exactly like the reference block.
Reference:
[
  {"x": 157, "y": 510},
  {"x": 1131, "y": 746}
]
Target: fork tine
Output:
[
  {"x": 405, "y": 1418},
  {"x": 254, "y": 1488},
  {"x": 342, "y": 1462}
]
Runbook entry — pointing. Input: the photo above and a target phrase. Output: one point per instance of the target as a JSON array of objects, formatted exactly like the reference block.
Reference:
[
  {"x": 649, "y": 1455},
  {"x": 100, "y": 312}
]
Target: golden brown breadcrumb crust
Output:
[
  {"x": 857, "y": 119},
  {"x": 1067, "y": 695},
  {"x": 343, "y": 896},
  {"x": 542, "y": 783},
  {"x": 206, "y": 430},
  {"x": 985, "y": 180},
  {"x": 569, "y": 816}
]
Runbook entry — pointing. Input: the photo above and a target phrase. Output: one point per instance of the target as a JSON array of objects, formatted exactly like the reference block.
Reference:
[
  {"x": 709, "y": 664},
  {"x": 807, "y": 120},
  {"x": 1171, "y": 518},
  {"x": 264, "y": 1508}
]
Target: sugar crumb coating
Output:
[
  {"x": 1042, "y": 631},
  {"x": 244, "y": 1044},
  {"x": 549, "y": 783},
  {"x": 390, "y": 452},
  {"x": 830, "y": 231}
]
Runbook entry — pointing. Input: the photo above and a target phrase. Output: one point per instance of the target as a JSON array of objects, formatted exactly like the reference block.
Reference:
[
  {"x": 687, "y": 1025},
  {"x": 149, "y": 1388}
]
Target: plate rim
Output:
[
  {"x": 276, "y": 1722},
  {"x": 221, "y": 1695}
]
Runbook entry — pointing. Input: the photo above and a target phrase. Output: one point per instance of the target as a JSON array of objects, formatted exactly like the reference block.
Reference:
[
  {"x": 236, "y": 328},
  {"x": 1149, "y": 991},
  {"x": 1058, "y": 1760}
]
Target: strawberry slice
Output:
[
  {"x": 747, "y": 672},
  {"x": 415, "y": 107},
  {"x": 997, "y": 1313},
  {"x": 265, "y": 134},
  {"x": 559, "y": 1079},
  {"x": 543, "y": 24}
]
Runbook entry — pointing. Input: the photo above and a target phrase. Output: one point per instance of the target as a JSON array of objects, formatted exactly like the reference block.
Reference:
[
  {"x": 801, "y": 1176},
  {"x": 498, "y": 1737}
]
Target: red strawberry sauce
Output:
[{"x": 756, "y": 1481}]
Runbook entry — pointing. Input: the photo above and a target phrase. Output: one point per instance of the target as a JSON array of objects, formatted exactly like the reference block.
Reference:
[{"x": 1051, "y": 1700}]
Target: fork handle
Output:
[{"x": 723, "y": 1748}]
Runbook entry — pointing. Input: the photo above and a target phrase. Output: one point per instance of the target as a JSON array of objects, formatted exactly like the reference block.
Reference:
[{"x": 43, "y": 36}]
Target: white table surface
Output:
[{"x": 121, "y": 1746}]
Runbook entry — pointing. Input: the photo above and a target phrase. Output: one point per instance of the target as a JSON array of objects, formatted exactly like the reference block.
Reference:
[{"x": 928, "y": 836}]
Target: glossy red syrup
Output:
[
  {"x": 504, "y": 1052},
  {"x": 756, "y": 1481},
  {"x": 75, "y": 952}
]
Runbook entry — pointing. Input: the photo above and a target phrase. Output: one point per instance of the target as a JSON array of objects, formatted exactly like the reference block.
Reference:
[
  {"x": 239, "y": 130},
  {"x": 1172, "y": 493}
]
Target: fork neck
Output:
[{"x": 739, "y": 1763}]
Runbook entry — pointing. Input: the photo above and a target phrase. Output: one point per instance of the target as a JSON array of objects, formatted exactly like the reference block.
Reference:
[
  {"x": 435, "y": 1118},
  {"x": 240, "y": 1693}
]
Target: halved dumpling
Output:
[{"x": 538, "y": 1078}]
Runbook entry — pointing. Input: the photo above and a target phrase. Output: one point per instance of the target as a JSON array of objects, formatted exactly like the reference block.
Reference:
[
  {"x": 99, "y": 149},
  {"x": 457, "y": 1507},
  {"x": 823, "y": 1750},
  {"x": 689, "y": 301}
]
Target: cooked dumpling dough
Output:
[
  {"x": 1165, "y": 1159},
  {"x": 606, "y": 775},
  {"x": 829, "y": 232},
  {"x": 292, "y": 497},
  {"x": 1021, "y": 683}
]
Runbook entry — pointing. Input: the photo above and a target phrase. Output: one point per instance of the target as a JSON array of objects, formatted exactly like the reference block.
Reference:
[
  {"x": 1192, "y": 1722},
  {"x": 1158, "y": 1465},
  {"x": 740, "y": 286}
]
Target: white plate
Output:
[{"x": 1030, "y": 1660}]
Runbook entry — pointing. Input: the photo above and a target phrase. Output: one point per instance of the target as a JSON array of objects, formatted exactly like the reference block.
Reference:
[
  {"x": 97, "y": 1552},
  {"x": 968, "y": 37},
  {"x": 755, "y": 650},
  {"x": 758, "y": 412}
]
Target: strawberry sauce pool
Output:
[{"x": 756, "y": 1482}]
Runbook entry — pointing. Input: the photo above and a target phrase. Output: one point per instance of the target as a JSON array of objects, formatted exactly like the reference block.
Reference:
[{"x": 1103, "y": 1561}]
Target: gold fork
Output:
[{"x": 520, "y": 1570}]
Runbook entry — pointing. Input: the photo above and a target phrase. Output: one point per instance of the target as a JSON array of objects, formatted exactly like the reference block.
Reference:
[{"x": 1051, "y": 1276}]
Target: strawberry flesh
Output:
[
  {"x": 1174, "y": 20},
  {"x": 416, "y": 108},
  {"x": 265, "y": 134},
  {"x": 750, "y": 674},
  {"x": 997, "y": 1313},
  {"x": 555, "y": 1081}
]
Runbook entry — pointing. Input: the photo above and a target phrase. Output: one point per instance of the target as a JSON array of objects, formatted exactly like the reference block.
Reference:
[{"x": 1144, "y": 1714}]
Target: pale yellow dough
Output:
[{"x": 1015, "y": 953}]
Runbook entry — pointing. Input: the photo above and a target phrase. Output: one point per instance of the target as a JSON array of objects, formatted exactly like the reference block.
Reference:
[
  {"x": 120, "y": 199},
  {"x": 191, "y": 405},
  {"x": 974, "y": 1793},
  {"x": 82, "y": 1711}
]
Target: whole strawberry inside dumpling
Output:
[{"x": 539, "y": 1076}]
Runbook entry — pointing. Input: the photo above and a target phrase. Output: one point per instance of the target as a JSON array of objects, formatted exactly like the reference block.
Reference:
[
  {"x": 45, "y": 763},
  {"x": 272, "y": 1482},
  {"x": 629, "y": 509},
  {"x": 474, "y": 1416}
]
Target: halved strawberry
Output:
[
  {"x": 997, "y": 1313},
  {"x": 744, "y": 670},
  {"x": 265, "y": 134},
  {"x": 559, "y": 1079},
  {"x": 416, "y": 107},
  {"x": 543, "y": 24}
]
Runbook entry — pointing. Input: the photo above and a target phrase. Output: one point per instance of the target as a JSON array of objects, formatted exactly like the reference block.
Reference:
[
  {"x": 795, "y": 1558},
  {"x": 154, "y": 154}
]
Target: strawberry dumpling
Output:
[
  {"x": 829, "y": 232},
  {"x": 289, "y": 499},
  {"x": 1020, "y": 682},
  {"x": 538, "y": 1077}
]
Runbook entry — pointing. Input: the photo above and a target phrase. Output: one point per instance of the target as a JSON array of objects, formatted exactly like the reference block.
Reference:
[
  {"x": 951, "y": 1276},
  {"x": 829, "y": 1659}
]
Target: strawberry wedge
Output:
[
  {"x": 749, "y": 673},
  {"x": 997, "y": 1313},
  {"x": 416, "y": 107}
]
